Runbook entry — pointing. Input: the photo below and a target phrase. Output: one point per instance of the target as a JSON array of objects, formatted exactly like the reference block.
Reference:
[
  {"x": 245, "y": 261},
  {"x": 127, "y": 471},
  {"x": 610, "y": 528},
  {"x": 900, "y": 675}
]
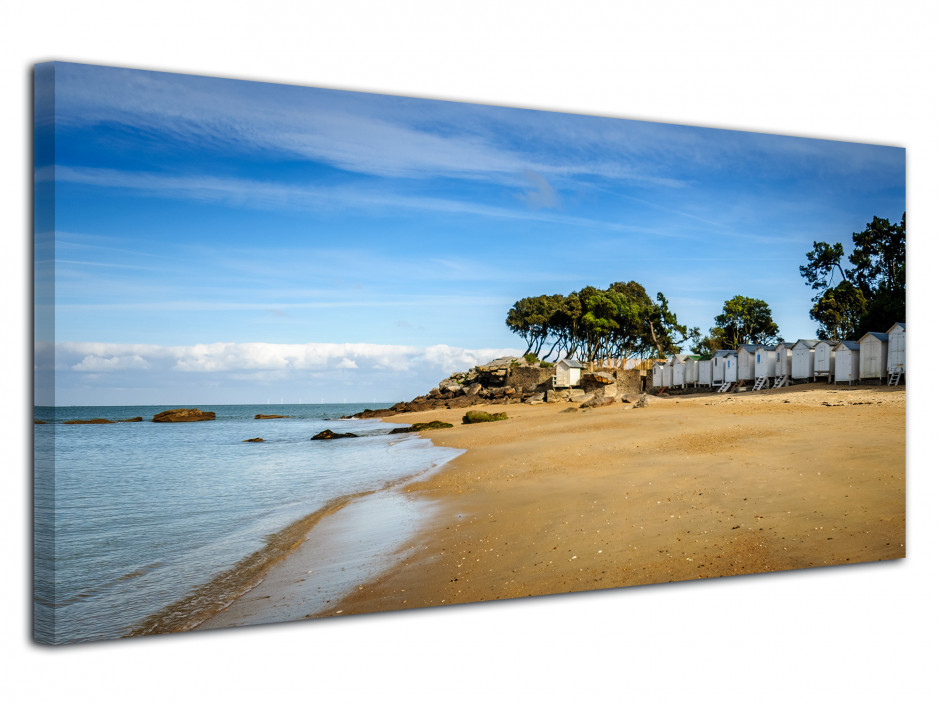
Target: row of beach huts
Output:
[{"x": 875, "y": 357}]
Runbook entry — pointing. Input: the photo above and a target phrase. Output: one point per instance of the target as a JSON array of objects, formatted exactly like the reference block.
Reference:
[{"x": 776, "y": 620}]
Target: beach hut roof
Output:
[
  {"x": 808, "y": 342},
  {"x": 851, "y": 344},
  {"x": 571, "y": 363},
  {"x": 722, "y": 353},
  {"x": 883, "y": 337},
  {"x": 749, "y": 347},
  {"x": 901, "y": 325},
  {"x": 788, "y": 346}
]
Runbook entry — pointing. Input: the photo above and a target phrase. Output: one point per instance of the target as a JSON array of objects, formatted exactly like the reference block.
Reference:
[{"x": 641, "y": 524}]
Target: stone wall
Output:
[{"x": 527, "y": 379}]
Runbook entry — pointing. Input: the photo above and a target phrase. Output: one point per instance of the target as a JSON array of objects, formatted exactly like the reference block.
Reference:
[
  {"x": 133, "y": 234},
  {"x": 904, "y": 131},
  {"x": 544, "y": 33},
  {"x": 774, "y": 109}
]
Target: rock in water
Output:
[
  {"x": 253, "y": 440},
  {"x": 329, "y": 435},
  {"x": 95, "y": 421},
  {"x": 179, "y": 415},
  {"x": 271, "y": 416}
]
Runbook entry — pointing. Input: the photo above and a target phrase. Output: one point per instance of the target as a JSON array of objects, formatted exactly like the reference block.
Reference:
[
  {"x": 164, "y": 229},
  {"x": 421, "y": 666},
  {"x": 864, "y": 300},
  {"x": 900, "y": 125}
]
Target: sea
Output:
[{"x": 133, "y": 520}]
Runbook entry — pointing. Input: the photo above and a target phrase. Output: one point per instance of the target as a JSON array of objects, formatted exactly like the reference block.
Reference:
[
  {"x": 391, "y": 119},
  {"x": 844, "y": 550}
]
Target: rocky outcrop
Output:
[
  {"x": 89, "y": 421},
  {"x": 136, "y": 419},
  {"x": 182, "y": 415},
  {"x": 253, "y": 440},
  {"x": 598, "y": 378},
  {"x": 506, "y": 380},
  {"x": 329, "y": 435},
  {"x": 271, "y": 416}
]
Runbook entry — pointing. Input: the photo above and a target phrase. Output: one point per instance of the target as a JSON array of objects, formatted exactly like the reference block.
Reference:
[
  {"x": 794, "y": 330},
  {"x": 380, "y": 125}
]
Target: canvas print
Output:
[{"x": 306, "y": 353}]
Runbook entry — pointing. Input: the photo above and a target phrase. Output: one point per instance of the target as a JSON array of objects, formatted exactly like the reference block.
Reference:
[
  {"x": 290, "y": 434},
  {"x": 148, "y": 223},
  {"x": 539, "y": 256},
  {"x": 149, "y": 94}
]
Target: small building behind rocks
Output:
[{"x": 568, "y": 373}]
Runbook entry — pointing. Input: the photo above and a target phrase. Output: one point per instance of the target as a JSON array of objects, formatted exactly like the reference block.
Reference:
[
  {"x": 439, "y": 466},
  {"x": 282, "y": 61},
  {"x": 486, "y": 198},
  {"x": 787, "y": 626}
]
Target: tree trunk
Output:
[{"x": 659, "y": 347}]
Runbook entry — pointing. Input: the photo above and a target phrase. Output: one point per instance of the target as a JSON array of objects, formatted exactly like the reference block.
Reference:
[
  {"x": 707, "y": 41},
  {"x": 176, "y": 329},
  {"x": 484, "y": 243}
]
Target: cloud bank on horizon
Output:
[
  {"x": 191, "y": 210},
  {"x": 230, "y": 373}
]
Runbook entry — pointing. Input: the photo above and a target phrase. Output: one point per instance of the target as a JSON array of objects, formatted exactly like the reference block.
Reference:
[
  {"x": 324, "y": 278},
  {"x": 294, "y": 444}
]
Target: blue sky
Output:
[{"x": 222, "y": 241}]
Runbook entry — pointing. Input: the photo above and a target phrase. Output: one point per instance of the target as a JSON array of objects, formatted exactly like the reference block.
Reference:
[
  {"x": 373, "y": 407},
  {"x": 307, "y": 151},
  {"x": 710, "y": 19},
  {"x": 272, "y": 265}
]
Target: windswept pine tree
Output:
[
  {"x": 870, "y": 295},
  {"x": 593, "y": 324}
]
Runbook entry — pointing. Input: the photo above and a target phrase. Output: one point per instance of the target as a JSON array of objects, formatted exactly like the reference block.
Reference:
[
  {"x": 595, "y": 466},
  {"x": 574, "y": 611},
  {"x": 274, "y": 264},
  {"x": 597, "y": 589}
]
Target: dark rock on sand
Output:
[
  {"x": 483, "y": 417},
  {"x": 598, "y": 400},
  {"x": 329, "y": 435},
  {"x": 425, "y": 426},
  {"x": 181, "y": 415},
  {"x": 372, "y": 414}
]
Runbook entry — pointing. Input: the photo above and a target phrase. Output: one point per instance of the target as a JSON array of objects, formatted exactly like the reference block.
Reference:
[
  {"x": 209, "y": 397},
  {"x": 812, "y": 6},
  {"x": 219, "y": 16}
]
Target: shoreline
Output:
[
  {"x": 201, "y": 606},
  {"x": 691, "y": 487}
]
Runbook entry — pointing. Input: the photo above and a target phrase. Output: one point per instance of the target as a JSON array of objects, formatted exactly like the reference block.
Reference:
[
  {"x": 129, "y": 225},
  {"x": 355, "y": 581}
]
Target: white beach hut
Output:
[
  {"x": 727, "y": 369},
  {"x": 824, "y": 358},
  {"x": 691, "y": 371},
  {"x": 678, "y": 370},
  {"x": 705, "y": 373},
  {"x": 718, "y": 367},
  {"x": 873, "y": 356},
  {"x": 803, "y": 358},
  {"x": 896, "y": 362},
  {"x": 658, "y": 374},
  {"x": 765, "y": 365},
  {"x": 784, "y": 366},
  {"x": 746, "y": 353},
  {"x": 846, "y": 363},
  {"x": 568, "y": 373},
  {"x": 667, "y": 375}
]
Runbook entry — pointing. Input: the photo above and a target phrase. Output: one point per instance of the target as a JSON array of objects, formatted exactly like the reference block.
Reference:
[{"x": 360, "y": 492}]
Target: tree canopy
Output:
[
  {"x": 742, "y": 320},
  {"x": 592, "y": 324},
  {"x": 871, "y": 293}
]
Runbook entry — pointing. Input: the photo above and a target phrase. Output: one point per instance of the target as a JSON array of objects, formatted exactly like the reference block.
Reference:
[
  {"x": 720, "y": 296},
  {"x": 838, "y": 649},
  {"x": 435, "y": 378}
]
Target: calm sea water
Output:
[{"x": 133, "y": 517}]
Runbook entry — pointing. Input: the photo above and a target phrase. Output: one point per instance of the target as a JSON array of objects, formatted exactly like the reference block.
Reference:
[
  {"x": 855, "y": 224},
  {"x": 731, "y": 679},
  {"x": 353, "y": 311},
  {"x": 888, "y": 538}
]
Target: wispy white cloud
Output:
[
  {"x": 276, "y": 196},
  {"x": 367, "y": 134}
]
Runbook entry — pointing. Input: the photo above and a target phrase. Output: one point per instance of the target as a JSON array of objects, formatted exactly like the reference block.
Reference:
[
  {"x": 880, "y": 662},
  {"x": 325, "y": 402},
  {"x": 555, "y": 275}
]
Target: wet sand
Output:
[{"x": 686, "y": 488}]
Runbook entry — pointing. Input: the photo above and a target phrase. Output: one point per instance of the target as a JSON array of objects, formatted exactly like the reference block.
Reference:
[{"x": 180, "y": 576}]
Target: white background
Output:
[{"x": 862, "y": 71}]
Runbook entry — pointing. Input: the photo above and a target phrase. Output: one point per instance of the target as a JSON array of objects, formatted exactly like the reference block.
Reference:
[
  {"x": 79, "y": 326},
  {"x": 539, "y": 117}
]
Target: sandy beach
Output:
[{"x": 557, "y": 499}]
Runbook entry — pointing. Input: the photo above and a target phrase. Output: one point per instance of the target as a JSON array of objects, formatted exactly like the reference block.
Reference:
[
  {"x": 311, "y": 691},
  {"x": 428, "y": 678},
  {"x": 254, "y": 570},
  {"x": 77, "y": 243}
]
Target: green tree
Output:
[
  {"x": 529, "y": 318},
  {"x": 824, "y": 259},
  {"x": 839, "y": 311},
  {"x": 666, "y": 334},
  {"x": 619, "y": 322},
  {"x": 873, "y": 289},
  {"x": 743, "y": 320}
]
